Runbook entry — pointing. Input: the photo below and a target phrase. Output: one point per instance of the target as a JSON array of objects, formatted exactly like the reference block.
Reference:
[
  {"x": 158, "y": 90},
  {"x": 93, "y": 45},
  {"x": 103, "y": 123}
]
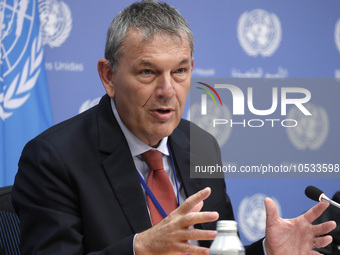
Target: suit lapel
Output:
[
  {"x": 122, "y": 173},
  {"x": 180, "y": 147},
  {"x": 123, "y": 177},
  {"x": 120, "y": 168}
]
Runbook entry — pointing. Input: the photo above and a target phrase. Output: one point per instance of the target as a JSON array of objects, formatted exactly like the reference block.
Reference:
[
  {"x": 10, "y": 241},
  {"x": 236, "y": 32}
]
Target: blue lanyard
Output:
[{"x": 152, "y": 196}]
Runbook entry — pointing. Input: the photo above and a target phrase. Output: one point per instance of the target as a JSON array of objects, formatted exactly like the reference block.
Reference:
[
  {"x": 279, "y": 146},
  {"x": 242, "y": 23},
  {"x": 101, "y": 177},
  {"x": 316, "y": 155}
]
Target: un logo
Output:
[
  {"x": 259, "y": 33},
  {"x": 55, "y": 22},
  {"x": 220, "y": 132},
  {"x": 88, "y": 104},
  {"x": 311, "y": 131},
  {"x": 252, "y": 216},
  {"x": 337, "y": 35},
  {"x": 14, "y": 16},
  {"x": 19, "y": 71}
]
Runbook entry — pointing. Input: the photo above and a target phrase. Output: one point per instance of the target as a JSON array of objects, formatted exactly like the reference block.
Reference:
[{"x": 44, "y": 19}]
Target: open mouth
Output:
[
  {"x": 163, "y": 110},
  {"x": 163, "y": 113}
]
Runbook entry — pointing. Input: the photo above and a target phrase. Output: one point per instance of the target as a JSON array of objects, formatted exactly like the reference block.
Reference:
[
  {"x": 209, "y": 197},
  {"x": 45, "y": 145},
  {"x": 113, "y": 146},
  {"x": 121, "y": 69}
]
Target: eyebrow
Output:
[
  {"x": 184, "y": 61},
  {"x": 146, "y": 63},
  {"x": 150, "y": 64}
]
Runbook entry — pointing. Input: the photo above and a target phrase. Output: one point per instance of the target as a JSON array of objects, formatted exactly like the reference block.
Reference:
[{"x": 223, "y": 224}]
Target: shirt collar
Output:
[{"x": 136, "y": 146}]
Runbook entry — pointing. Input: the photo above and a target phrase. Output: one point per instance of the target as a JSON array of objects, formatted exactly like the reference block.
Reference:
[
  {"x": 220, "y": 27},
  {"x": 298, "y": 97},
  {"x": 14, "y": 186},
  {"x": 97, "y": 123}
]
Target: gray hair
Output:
[{"x": 149, "y": 17}]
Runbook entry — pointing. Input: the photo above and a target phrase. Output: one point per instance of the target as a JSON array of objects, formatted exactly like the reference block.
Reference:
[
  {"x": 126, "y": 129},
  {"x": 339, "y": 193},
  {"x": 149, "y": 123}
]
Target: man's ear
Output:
[{"x": 106, "y": 75}]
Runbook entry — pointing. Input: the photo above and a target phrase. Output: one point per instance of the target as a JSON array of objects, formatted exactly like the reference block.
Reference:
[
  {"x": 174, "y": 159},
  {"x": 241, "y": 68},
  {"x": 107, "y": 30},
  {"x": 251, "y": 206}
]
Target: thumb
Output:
[{"x": 271, "y": 211}]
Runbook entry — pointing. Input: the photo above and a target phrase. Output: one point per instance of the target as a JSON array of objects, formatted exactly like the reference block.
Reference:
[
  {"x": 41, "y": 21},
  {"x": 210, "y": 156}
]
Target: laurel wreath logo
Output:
[
  {"x": 273, "y": 43},
  {"x": 55, "y": 34},
  {"x": 252, "y": 216},
  {"x": 18, "y": 91},
  {"x": 312, "y": 131},
  {"x": 88, "y": 104}
]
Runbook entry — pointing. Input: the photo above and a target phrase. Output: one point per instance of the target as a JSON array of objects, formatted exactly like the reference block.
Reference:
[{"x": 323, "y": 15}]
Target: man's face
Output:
[{"x": 151, "y": 84}]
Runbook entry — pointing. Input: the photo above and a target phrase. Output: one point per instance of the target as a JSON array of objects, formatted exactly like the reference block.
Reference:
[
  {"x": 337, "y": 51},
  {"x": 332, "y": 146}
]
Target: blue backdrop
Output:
[{"x": 233, "y": 39}]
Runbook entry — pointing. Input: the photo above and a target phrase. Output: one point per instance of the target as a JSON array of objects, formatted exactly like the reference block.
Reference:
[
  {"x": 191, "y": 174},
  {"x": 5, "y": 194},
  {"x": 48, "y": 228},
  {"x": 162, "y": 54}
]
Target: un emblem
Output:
[
  {"x": 19, "y": 71},
  {"x": 311, "y": 131},
  {"x": 259, "y": 33},
  {"x": 220, "y": 132},
  {"x": 88, "y": 104},
  {"x": 252, "y": 216},
  {"x": 55, "y": 22},
  {"x": 337, "y": 35}
]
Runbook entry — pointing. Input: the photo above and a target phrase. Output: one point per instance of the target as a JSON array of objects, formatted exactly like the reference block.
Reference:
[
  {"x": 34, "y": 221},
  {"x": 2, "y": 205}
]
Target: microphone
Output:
[{"x": 317, "y": 195}]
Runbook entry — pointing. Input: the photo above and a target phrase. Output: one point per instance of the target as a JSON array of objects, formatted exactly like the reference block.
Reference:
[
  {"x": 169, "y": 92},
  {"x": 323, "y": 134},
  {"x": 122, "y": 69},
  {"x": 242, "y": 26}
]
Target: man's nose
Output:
[{"x": 165, "y": 86}]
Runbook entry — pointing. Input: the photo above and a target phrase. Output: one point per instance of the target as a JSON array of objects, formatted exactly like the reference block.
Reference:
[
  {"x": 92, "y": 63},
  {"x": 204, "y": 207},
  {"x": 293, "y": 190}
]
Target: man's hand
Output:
[
  {"x": 171, "y": 235},
  {"x": 296, "y": 236}
]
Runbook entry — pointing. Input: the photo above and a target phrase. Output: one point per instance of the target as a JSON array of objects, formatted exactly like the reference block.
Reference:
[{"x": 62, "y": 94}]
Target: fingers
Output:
[
  {"x": 198, "y": 207},
  {"x": 196, "y": 234},
  {"x": 324, "y": 228},
  {"x": 154, "y": 247},
  {"x": 313, "y": 213},
  {"x": 322, "y": 241},
  {"x": 271, "y": 211},
  {"x": 172, "y": 233},
  {"x": 187, "y": 248},
  {"x": 193, "y": 218},
  {"x": 191, "y": 210},
  {"x": 194, "y": 201}
]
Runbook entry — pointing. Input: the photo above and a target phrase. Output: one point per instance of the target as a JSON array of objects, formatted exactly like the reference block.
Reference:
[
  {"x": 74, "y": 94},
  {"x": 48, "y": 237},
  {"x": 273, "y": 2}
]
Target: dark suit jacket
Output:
[
  {"x": 331, "y": 213},
  {"x": 77, "y": 190}
]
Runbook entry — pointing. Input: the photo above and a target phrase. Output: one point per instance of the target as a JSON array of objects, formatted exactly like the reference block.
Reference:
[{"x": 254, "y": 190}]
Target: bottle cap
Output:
[{"x": 226, "y": 225}]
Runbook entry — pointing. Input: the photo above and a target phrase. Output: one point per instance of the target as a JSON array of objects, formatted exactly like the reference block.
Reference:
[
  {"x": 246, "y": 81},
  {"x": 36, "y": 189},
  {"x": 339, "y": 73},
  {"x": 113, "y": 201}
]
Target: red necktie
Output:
[{"x": 160, "y": 185}]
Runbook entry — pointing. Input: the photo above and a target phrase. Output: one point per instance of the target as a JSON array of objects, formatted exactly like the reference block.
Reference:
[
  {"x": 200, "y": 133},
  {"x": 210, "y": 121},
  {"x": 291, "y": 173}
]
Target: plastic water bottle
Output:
[{"x": 227, "y": 242}]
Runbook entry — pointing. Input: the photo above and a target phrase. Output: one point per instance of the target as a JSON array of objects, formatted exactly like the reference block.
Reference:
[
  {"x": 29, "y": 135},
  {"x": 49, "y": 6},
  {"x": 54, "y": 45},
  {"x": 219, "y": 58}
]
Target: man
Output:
[{"x": 78, "y": 189}]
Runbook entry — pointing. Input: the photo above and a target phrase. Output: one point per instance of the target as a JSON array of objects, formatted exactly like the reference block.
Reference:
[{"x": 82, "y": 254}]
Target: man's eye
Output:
[
  {"x": 181, "y": 70},
  {"x": 147, "y": 72}
]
